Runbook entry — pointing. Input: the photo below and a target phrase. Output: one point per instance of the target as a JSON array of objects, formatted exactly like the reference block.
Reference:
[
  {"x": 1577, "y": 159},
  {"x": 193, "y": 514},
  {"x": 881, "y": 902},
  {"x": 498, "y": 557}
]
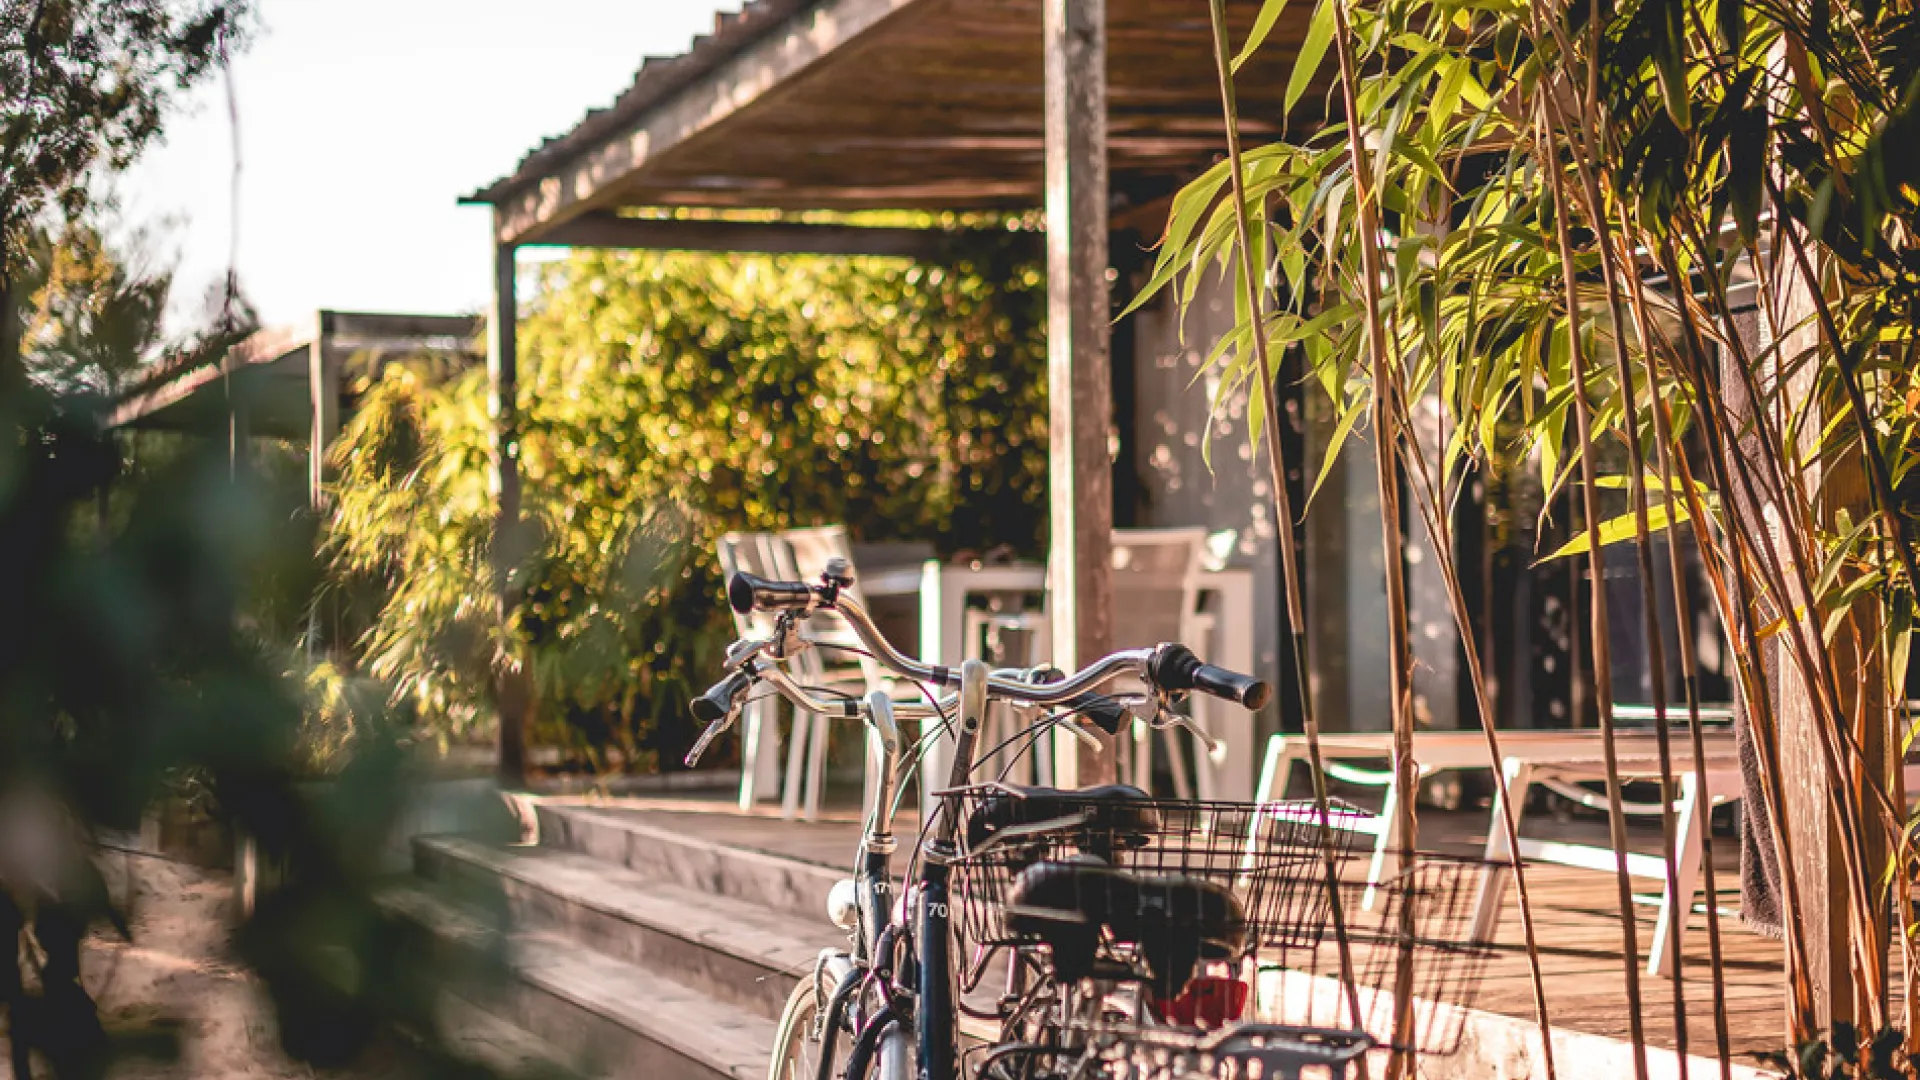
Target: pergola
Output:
[
  {"x": 1096, "y": 110},
  {"x": 285, "y": 382}
]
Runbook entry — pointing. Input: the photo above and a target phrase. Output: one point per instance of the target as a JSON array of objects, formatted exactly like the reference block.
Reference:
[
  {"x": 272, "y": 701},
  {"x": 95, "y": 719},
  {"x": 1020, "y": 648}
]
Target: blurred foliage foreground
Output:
[
  {"x": 666, "y": 399},
  {"x": 129, "y": 671}
]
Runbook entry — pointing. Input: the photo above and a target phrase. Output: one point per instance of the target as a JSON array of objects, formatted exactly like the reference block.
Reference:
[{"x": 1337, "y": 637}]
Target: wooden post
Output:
[
  {"x": 323, "y": 395},
  {"x": 503, "y": 379},
  {"x": 1078, "y": 367},
  {"x": 1839, "y": 478},
  {"x": 239, "y": 431}
]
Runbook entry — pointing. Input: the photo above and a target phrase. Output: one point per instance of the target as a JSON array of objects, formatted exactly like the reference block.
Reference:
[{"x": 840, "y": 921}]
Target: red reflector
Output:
[{"x": 1209, "y": 1001}]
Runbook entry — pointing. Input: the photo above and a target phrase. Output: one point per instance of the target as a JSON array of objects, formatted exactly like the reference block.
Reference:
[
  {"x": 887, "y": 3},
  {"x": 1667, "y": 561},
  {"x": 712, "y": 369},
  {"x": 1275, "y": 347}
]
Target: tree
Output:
[
  {"x": 88, "y": 84},
  {"x": 90, "y": 314}
]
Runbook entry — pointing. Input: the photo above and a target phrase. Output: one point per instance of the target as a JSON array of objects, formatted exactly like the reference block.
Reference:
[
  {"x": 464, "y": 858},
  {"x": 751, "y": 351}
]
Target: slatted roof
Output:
[
  {"x": 270, "y": 372},
  {"x": 891, "y": 104}
]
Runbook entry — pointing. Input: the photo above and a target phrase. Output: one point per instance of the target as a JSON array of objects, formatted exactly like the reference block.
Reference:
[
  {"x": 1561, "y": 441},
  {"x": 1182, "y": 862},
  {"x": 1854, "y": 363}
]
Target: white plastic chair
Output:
[
  {"x": 800, "y": 555},
  {"x": 760, "y": 723}
]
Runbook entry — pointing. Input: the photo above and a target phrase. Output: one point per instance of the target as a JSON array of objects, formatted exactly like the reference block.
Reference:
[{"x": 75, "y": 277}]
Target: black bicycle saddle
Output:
[
  {"x": 1172, "y": 921},
  {"x": 1101, "y": 820}
]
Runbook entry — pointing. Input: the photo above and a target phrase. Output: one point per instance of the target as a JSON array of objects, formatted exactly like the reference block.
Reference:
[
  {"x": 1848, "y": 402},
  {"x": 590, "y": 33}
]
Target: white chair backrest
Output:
[
  {"x": 802, "y": 554},
  {"x": 1156, "y": 586}
]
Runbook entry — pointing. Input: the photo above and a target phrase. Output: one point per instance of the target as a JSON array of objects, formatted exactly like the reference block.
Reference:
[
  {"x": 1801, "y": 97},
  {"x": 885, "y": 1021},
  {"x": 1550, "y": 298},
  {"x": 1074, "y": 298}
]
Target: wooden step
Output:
[
  {"x": 729, "y": 949},
  {"x": 648, "y": 845},
  {"x": 611, "y": 1018}
]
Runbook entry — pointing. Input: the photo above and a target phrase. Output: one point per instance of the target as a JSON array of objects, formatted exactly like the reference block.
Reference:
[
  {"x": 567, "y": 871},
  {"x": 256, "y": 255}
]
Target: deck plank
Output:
[{"x": 1574, "y": 910}]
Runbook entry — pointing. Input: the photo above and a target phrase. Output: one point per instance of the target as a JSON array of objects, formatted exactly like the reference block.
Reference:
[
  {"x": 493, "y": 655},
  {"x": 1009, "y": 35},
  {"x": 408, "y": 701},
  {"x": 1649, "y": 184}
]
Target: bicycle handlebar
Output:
[
  {"x": 785, "y": 596},
  {"x": 722, "y": 698},
  {"x": 1167, "y": 668}
]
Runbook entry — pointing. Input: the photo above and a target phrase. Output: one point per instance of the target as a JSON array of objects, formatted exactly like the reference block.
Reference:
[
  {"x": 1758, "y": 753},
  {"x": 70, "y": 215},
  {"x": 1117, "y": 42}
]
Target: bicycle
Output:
[{"x": 893, "y": 1002}]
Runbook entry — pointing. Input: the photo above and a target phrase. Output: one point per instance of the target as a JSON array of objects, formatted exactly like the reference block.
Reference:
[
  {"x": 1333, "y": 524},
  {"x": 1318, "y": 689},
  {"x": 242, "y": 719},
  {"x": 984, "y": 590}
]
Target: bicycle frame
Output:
[{"x": 933, "y": 1017}]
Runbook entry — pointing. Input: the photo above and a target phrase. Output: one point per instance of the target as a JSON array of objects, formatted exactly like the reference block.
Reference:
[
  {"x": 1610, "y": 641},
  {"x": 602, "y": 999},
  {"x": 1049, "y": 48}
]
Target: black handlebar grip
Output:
[
  {"x": 718, "y": 700},
  {"x": 748, "y": 593},
  {"x": 1175, "y": 668},
  {"x": 1106, "y": 713}
]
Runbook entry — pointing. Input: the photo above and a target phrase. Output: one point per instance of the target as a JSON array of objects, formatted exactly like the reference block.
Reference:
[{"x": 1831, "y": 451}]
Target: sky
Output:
[{"x": 361, "y": 123}]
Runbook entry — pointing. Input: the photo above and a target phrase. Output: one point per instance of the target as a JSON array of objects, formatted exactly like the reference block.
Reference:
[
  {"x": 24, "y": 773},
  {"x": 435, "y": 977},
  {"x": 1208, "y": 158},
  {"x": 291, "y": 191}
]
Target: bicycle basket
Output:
[
  {"x": 1108, "y": 876},
  {"x": 1413, "y": 943}
]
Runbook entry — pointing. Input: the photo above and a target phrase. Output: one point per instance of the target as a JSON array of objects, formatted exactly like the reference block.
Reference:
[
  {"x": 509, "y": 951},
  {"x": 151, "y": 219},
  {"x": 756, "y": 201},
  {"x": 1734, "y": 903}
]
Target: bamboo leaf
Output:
[
  {"x": 1447, "y": 98},
  {"x": 1262, "y": 26},
  {"x": 1313, "y": 50},
  {"x": 1614, "y": 530},
  {"x": 1731, "y": 17},
  {"x": 1838, "y": 558},
  {"x": 1623, "y": 483},
  {"x": 1335, "y": 442}
]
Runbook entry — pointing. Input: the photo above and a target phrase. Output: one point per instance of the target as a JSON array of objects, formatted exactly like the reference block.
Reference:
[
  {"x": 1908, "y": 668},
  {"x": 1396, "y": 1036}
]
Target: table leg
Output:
[
  {"x": 1276, "y": 769},
  {"x": 1386, "y": 855},
  {"x": 1493, "y": 881},
  {"x": 759, "y": 752},
  {"x": 1675, "y": 908},
  {"x": 797, "y": 740},
  {"x": 1234, "y": 632},
  {"x": 943, "y": 613}
]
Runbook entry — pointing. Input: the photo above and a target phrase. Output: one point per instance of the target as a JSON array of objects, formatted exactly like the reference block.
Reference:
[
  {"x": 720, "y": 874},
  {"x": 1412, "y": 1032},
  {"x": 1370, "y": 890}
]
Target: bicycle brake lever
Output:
[
  {"x": 743, "y": 650},
  {"x": 713, "y": 731},
  {"x": 1080, "y": 732},
  {"x": 1167, "y": 719}
]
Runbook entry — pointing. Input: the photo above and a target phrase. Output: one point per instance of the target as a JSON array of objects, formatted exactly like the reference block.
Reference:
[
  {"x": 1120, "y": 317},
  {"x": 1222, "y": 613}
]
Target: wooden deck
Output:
[{"x": 1576, "y": 913}]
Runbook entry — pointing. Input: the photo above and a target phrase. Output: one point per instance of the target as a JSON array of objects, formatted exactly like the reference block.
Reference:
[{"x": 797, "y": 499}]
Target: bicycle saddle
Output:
[
  {"x": 1173, "y": 921},
  {"x": 1100, "y": 820}
]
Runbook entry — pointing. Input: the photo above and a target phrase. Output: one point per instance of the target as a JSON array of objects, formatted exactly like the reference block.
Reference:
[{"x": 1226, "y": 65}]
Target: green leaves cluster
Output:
[
  {"x": 666, "y": 399},
  {"x": 1469, "y": 110},
  {"x": 87, "y": 85}
]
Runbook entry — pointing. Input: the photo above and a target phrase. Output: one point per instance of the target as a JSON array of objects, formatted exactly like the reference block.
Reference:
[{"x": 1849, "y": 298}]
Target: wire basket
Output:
[
  {"x": 1240, "y": 1050},
  {"x": 1166, "y": 884},
  {"x": 1414, "y": 944}
]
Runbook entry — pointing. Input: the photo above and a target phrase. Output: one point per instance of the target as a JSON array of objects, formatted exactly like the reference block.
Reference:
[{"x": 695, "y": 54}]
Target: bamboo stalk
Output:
[
  {"x": 1788, "y": 494},
  {"x": 1643, "y": 547},
  {"x": 1738, "y": 611},
  {"x": 1283, "y": 509},
  {"x": 1403, "y": 1060},
  {"x": 1667, "y": 449},
  {"x": 1602, "y": 651},
  {"x": 1440, "y": 533}
]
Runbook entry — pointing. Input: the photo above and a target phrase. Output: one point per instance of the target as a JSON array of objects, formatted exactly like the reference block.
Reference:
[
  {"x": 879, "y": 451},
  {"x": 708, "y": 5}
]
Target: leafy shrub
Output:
[{"x": 665, "y": 399}]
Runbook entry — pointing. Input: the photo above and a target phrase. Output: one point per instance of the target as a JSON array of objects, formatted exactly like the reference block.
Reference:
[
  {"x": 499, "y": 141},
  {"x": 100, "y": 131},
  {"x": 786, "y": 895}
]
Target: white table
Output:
[
  {"x": 944, "y": 590},
  {"x": 1528, "y": 757}
]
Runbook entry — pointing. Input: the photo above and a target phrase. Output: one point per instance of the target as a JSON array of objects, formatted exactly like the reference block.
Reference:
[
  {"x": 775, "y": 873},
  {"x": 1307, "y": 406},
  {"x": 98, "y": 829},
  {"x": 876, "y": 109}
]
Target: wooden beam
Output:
[
  {"x": 601, "y": 229},
  {"x": 396, "y": 325},
  {"x": 588, "y": 180},
  {"x": 1079, "y": 373},
  {"x": 503, "y": 382},
  {"x": 323, "y": 396},
  {"x": 263, "y": 347}
]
